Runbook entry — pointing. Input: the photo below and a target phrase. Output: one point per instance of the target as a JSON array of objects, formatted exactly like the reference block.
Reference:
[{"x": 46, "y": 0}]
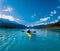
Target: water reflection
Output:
[{"x": 41, "y": 40}]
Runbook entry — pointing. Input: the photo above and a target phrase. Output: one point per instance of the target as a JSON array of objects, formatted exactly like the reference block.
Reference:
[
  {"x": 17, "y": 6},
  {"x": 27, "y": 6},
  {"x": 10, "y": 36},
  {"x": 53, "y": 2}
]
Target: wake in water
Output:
[{"x": 42, "y": 39}]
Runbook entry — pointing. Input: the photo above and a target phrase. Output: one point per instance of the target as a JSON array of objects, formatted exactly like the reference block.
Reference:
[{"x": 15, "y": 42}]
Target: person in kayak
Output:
[{"x": 29, "y": 34}]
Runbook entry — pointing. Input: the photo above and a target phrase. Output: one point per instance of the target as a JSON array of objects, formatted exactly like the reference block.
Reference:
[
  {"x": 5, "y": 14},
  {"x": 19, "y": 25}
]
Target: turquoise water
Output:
[{"x": 42, "y": 40}]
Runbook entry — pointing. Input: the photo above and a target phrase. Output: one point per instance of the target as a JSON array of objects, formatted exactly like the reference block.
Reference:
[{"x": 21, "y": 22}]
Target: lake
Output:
[{"x": 42, "y": 40}]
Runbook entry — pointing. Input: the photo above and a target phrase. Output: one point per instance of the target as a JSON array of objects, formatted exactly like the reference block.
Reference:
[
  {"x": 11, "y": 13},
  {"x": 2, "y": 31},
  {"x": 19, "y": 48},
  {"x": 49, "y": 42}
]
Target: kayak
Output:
[{"x": 29, "y": 35}]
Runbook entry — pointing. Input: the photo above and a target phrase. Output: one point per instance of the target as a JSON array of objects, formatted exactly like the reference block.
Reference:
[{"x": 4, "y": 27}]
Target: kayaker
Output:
[{"x": 29, "y": 34}]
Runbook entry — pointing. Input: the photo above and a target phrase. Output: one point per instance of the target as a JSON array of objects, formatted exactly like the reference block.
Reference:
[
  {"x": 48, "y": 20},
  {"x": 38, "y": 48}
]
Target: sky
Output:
[{"x": 30, "y": 12}]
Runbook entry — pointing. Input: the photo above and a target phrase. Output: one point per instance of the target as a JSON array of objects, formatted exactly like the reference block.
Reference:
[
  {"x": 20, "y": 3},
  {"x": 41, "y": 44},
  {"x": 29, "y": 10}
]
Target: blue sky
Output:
[{"x": 30, "y": 12}]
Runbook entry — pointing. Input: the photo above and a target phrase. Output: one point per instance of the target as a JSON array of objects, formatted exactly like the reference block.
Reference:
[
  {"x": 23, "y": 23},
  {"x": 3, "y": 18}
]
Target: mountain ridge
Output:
[{"x": 5, "y": 23}]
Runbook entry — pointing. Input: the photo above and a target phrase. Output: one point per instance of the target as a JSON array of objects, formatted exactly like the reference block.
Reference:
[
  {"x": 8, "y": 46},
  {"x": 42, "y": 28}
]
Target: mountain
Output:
[
  {"x": 39, "y": 26},
  {"x": 5, "y": 23},
  {"x": 54, "y": 25}
]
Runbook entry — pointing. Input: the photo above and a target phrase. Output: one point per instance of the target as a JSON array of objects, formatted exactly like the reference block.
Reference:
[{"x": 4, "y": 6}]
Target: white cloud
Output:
[
  {"x": 8, "y": 13},
  {"x": 58, "y": 7},
  {"x": 36, "y": 24},
  {"x": 54, "y": 11},
  {"x": 52, "y": 22},
  {"x": 37, "y": 21},
  {"x": 34, "y": 15},
  {"x": 8, "y": 9},
  {"x": 56, "y": 21},
  {"x": 7, "y": 17},
  {"x": 58, "y": 17},
  {"x": 39, "y": 24},
  {"x": 44, "y": 19},
  {"x": 51, "y": 14}
]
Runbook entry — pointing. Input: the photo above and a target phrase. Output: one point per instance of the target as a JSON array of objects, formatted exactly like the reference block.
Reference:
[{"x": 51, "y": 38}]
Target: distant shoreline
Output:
[{"x": 53, "y": 28}]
